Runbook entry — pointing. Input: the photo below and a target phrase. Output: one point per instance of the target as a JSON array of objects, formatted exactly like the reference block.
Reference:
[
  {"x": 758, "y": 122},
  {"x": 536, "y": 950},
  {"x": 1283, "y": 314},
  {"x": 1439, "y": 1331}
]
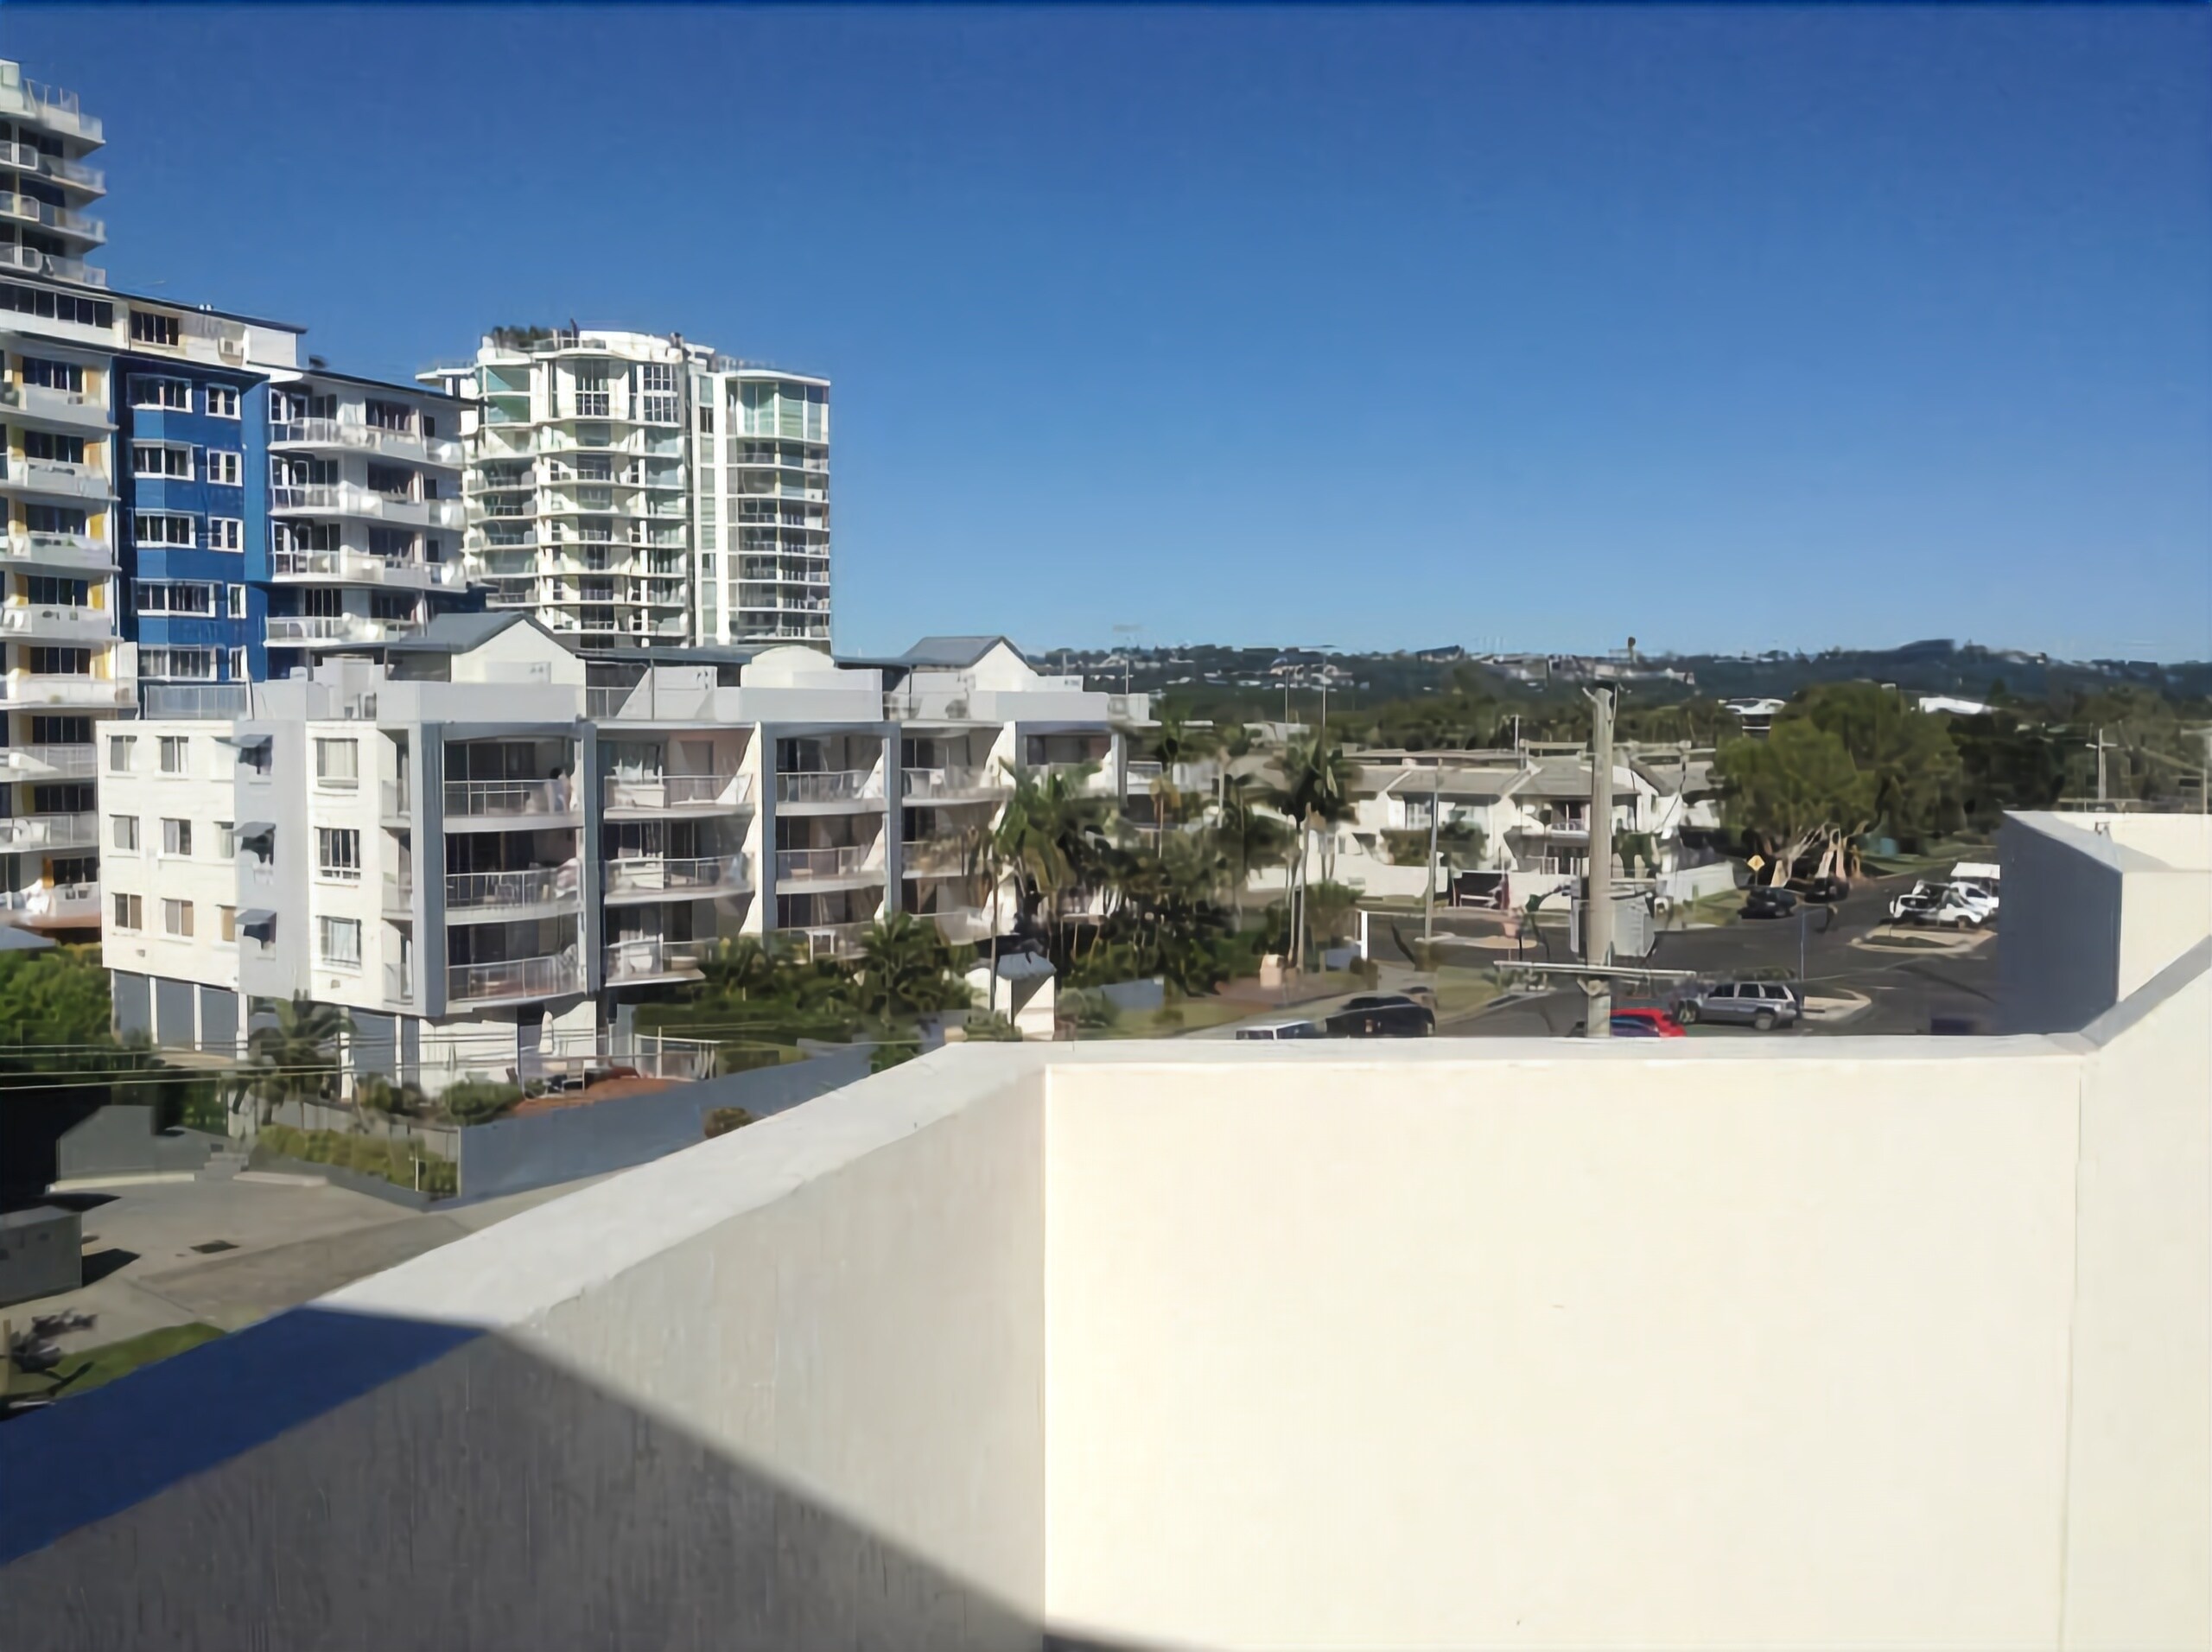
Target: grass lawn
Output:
[
  {"x": 1459, "y": 992},
  {"x": 79, "y": 1372}
]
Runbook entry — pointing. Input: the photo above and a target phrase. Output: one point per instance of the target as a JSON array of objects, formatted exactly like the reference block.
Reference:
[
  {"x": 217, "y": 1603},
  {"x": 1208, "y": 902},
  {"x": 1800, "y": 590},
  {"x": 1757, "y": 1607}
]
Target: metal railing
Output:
[
  {"x": 922, "y": 783},
  {"x": 29, "y": 688},
  {"x": 336, "y": 628},
  {"x": 55, "y": 476},
  {"x": 76, "y": 625},
  {"x": 650, "y": 874},
  {"x": 48, "y": 831},
  {"x": 549, "y": 976},
  {"x": 62, "y": 762},
  {"x": 59, "y": 549},
  {"x": 651, "y": 958},
  {"x": 677, "y": 790},
  {"x": 555, "y": 798},
  {"x": 943, "y": 855},
  {"x": 366, "y": 438},
  {"x": 835, "y": 786},
  {"x": 191, "y": 702},
  {"x": 842, "y": 860},
  {"x": 528, "y": 886},
  {"x": 63, "y": 406},
  {"x": 364, "y": 566},
  {"x": 32, "y": 262},
  {"x": 398, "y": 985}
]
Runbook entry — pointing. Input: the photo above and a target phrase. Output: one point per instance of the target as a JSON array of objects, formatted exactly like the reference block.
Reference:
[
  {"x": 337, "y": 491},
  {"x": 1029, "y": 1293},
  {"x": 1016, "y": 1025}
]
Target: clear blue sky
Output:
[{"x": 1739, "y": 328}]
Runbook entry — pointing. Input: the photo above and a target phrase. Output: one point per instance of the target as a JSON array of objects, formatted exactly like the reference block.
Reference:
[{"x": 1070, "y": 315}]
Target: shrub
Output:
[
  {"x": 722, "y": 1120},
  {"x": 283, "y": 1140},
  {"x": 440, "y": 1176},
  {"x": 986, "y": 1026},
  {"x": 479, "y": 1101},
  {"x": 320, "y": 1144}
]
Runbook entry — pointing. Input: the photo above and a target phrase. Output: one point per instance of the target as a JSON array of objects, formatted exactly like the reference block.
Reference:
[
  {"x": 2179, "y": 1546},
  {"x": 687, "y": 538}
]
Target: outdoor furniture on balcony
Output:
[
  {"x": 550, "y": 977},
  {"x": 651, "y": 958},
  {"x": 530, "y": 887},
  {"x": 71, "y": 831},
  {"x": 553, "y": 799},
  {"x": 950, "y": 784},
  {"x": 829, "y": 940},
  {"x": 643, "y": 877},
  {"x": 855, "y": 860}
]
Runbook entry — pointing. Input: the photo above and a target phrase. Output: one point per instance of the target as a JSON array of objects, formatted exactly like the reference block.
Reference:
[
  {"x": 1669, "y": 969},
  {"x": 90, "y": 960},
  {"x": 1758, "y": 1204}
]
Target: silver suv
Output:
[{"x": 1761, "y": 1004}]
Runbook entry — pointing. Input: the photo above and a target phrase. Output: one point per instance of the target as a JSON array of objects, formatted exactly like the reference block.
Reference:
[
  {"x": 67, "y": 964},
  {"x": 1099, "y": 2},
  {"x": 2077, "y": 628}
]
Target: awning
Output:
[
  {"x": 1024, "y": 966},
  {"x": 257, "y": 917},
  {"x": 243, "y": 742},
  {"x": 257, "y": 829}
]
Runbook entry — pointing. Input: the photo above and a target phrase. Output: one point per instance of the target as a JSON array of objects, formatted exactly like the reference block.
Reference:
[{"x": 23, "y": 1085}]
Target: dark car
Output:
[
  {"x": 1381, "y": 1015},
  {"x": 1763, "y": 900}
]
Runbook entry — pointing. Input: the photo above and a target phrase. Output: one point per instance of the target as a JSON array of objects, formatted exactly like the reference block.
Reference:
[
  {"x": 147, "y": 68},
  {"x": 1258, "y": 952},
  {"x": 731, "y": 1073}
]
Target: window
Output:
[
  {"x": 54, "y": 375},
  {"x": 322, "y": 602},
  {"x": 127, "y": 915},
  {"x": 55, "y": 518},
  {"x": 76, "y": 869},
  {"x": 61, "y": 731},
  {"x": 175, "y": 596},
  {"x": 336, "y": 763},
  {"x": 391, "y": 604},
  {"x": 393, "y": 481},
  {"x": 226, "y": 923},
  {"x": 226, "y": 533},
  {"x": 238, "y": 601},
  {"x": 259, "y": 757},
  {"x": 388, "y": 416},
  {"x": 57, "y": 307},
  {"x": 177, "y": 837},
  {"x": 146, "y": 326},
  {"x": 222, "y": 404},
  {"x": 176, "y": 755},
  {"x": 339, "y": 941},
  {"x": 176, "y": 917},
  {"x": 44, "y": 444},
  {"x": 125, "y": 832},
  {"x": 177, "y": 664},
  {"x": 225, "y": 468},
  {"x": 391, "y": 543},
  {"x": 238, "y": 665},
  {"x": 170, "y": 395},
  {"x": 338, "y": 853},
  {"x": 165, "y": 459},
  {"x": 226, "y": 840},
  {"x": 62, "y": 661},
  {"x": 706, "y": 419},
  {"x": 120, "y": 748},
  {"x": 44, "y": 590},
  {"x": 154, "y": 528}
]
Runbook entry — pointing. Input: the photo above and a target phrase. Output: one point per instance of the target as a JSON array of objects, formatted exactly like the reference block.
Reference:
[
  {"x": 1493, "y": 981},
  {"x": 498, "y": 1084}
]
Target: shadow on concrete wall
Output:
[{"x": 332, "y": 1480}]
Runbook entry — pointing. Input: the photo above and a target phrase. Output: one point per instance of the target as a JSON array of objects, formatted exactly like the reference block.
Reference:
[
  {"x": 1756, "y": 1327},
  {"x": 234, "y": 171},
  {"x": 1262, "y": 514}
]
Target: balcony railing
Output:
[
  {"x": 398, "y": 985},
  {"x": 550, "y": 977},
  {"x": 361, "y": 567},
  {"x": 963, "y": 925},
  {"x": 921, "y": 784},
  {"x": 93, "y": 693},
  {"x": 46, "y": 762},
  {"x": 65, "y": 625},
  {"x": 366, "y": 438},
  {"x": 549, "y": 799},
  {"x": 394, "y": 799},
  {"x": 843, "y": 860},
  {"x": 399, "y": 891},
  {"x": 61, "y": 903},
  {"x": 653, "y": 959},
  {"x": 336, "y": 628},
  {"x": 829, "y": 940},
  {"x": 48, "y": 831},
  {"x": 55, "y": 477},
  {"x": 657, "y": 875},
  {"x": 835, "y": 786},
  {"x": 944, "y": 855},
  {"x": 50, "y": 106},
  {"x": 64, "y": 220},
  {"x": 190, "y": 702},
  {"x": 68, "y": 407},
  {"x": 344, "y": 498},
  {"x": 529, "y": 886},
  {"x": 678, "y": 791},
  {"x": 72, "y": 550},
  {"x": 31, "y": 262}
]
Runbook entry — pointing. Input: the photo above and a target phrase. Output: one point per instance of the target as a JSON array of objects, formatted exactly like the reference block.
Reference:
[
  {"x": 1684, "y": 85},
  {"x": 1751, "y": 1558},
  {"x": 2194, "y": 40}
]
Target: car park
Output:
[
  {"x": 1948, "y": 906},
  {"x": 1761, "y": 1004},
  {"x": 1381, "y": 1015},
  {"x": 1269, "y": 1032}
]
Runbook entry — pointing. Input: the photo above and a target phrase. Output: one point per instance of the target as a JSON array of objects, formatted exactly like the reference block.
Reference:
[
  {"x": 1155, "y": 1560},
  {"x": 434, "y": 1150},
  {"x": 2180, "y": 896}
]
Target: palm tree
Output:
[
  {"x": 739, "y": 967},
  {"x": 1247, "y": 838},
  {"x": 905, "y": 969},
  {"x": 1175, "y": 742},
  {"x": 296, "y": 1056},
  {"x": 1315, "y": 795}
]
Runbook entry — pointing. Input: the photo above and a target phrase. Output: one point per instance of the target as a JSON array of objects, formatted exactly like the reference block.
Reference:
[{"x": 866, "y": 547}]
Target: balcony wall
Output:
[{"x": 1863, "y": 1342}]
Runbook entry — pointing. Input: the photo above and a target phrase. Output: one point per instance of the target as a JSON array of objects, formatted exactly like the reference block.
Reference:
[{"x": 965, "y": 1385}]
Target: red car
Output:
[{"x": 1636, "y": 1023}]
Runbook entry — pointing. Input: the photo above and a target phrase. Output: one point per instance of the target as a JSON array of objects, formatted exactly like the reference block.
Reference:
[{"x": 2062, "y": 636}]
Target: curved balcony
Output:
[
  {"x": 31, "y": 262},
  {"x": 54, "y": 108},
  {"x": 635, "y": 962},
  {"x": 647, "y": 878},
  {"x": 333, "y": 631},
  {"x": 347, "y": 499},
  {"x": 661, "y": 794},
  {"x": 343, "y": 435},
  {"x": 32, "y": 161},
  {"x": 65, "y": 222},
  {"x": 63, "y": 409},
  {"x": 361, "y": 567},
  {"x": 842, "y": 864},
  {"x": 554, "y": 975}
]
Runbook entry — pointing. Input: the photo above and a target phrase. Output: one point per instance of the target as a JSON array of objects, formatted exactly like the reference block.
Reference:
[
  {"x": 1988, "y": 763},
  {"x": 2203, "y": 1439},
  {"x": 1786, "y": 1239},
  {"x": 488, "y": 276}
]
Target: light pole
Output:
[
  {"x": 1428, "y": 903},
  {"x": 1597, "y": 914}
]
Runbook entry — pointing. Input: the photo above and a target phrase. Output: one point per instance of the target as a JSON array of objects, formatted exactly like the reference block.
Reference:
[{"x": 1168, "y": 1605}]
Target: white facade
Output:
[
  {"x": 631, "y": 490},
  {"x": 483, "y": 856}
]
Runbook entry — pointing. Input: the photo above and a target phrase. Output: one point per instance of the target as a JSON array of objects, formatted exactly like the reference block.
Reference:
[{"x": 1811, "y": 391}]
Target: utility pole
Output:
[
  {"x": 1598, "y": 902},
  {"x": 2101, "y": 748},
  {"x": 1428, "y": 903}
]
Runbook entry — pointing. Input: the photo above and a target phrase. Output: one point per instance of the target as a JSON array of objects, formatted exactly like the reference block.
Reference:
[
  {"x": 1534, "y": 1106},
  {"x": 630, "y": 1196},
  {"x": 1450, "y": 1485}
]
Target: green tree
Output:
[
  {"x": 57, "y": 996},
  {"x": 906, "y": 969},
  {"x": 1796, "y": 788},
  {"x": 1315, "y": 796},
  {"x": 1247, "y": 836},
  {"x": 1907, "y": 756},
  {"x": 295, "y": 1057},
  {"x": 1174, "y": 742}
]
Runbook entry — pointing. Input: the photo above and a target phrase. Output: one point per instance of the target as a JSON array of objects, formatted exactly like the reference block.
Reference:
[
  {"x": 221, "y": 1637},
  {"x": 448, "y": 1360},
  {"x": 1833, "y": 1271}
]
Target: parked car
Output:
[
  {"x": 1761, "y": 1004},
  {"x": 1975, "y": 889},
  {"x": 1637, "y": 1023},
  {"x": 1949, "y": 905},
  {"x": 1269, "y": 1032},
  {"x": 1381, "y": 1015},
  {"x": 1764, "y": 900},
  {"x": 1825, "y": 892}
]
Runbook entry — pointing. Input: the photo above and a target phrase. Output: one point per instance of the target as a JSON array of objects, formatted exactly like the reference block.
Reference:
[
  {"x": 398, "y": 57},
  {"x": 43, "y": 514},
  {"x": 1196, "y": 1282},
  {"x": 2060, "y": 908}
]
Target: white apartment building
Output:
[
  {"x": 61, "y": 664},
  {"x": 487, "y": 845},
  {"x": 366, "y": 513},
  {"x": 629, "y": 489}
]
